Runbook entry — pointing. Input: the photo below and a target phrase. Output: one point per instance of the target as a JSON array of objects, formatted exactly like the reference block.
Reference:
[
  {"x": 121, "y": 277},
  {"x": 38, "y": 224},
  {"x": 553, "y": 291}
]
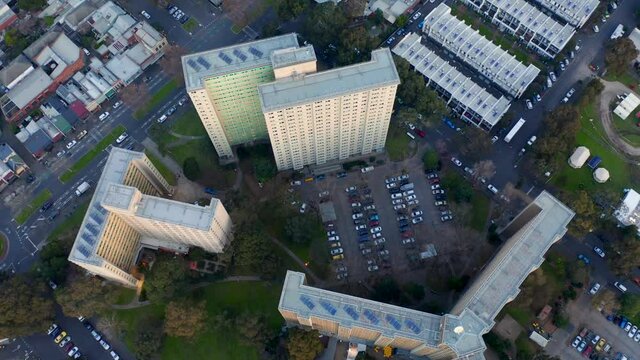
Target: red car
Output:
[
  {"x": 374, "y": 223},
  {"x": 587, "y": 351},
  {"x": 434, "y": 181},
  {"x": 407, "y": 234},
  {"x": 419, "y": 132}
]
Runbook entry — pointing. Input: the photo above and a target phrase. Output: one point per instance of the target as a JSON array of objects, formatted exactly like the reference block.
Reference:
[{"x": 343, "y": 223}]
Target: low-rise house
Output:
[{"x": 10, "y": 158}]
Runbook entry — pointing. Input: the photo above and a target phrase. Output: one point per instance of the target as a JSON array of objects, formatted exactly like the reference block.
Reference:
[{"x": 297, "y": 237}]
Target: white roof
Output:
[
  {"x": 635, "y": 37},
  {"x": 601, "y": 175},
  {"x": 579, "y": 157},
  {"x": 477, "y": 51},
  {"x": 462, "y": 88},
  {"x": 123, "y": 67},
  {"x": 629, "y": 211},
  {"x": 29, "y": 88},
  {"x": 575, "y": 12},
  {"x": 626, "y": 106}
]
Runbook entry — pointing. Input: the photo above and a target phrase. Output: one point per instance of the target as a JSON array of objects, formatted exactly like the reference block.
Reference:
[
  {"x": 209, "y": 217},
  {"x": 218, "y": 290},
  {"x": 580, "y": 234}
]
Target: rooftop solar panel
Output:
[
  {"x": 204, "y": 62},
  {"x": 84, "y": 251},
  {"x": 412, "y": 326},
  {"x": 327, "y": 306},
  {"x": 225, "y": 57},
  {"x": 239, "y": 54},
  {"x": 255, "y": 51},
  {"x": 305, "y": 300},
  {"x": 88, "y": 238},
  {"x": 351, "y": 312},
  {"x": 193, "y": 65},
  {"x": 393, "y": 321},
  {"x": 371, "y": 316}
]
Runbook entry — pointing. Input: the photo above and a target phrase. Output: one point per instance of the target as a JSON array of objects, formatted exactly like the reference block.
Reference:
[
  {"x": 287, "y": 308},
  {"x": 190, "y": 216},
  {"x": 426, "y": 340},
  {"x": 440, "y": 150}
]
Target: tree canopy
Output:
[
  {"x": 299, "y": 228},
  {"x": 253, "y": 252},
  {"x": 631, "y": 306},
  {"x": 31, "y": 5},
  {"x": 324, "y": 24},
  {"x": 166, "y": 278},
  {"x": 191, "y": 169},
  {"x": 619, "y": 54},
  {"x": 52, "y": 263},
  {"x": 290, "y": 9},
  {"x": 560, "y": 129},
  {"x": 25, "y": 307},
  {"x": 413, "y": 92},
  {"x": 586, "y": 213},
  {"x": 185, "y": 318},
  {"x": 253, "y": 329},
  {"x": 85, "y": 296},
  {"x": 431, "y": 160},
  {"x": 303, "y": 345}
]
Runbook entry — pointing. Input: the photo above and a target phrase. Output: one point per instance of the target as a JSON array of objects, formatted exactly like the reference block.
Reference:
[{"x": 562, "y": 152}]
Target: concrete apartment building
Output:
[
  {"x": 463, "y": 95},
  {"x": 487, "y": 58},
  {"x": 536, "y": 29},
  {"x": 127, "y": 213},
  {"x": 223, "y": 86},
  {"x": 575, "y": 12},
  {"x": 313, "y": 118},
  {"x": 457, "y": 335}
]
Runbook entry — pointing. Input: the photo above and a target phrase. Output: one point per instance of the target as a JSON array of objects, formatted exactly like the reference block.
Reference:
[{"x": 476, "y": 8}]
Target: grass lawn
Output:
[
  {"x": 627, "y": 128},
  {"x": 256, "y": 297},
  {"x": 398, "y": 143},
  {"x": 70, "y": 224},
  {"x": 592, "y": 136},
  {"x": 190, "y": 25},
  {"x": 164, "y": 170},
  {"x": 91, "y": 154},
  {"x": 625, "y": 78},
  {"x": 124, "y": 295},
  {"x": 157, "y": 98},
  {"x": 189, "y": 124},
  {"x": 480, "y": 211},
  {"x": 35, "y": 204}
]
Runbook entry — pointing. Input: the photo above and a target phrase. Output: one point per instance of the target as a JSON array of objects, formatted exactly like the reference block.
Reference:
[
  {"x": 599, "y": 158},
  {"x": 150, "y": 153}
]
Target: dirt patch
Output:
[{"x": 508, "y": 328}]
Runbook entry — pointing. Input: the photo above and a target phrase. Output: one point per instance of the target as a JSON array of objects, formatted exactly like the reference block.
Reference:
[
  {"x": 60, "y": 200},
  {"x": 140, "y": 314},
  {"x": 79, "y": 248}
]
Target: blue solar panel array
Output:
[
  {"x": 239, "y": 54},
  {"x": 225, "y": 58},
  {"x": 351, "y": 312},
  {"x": 102, "y": 210},
  {"x": 92, "y": 229},
  {"x": 95, "y": 216},
  {"x": 88, "y": 238},
  {"x": 84, "y": 251},
  {"x": 371, "y": 316},
  {"x": 305, "y": 300},
  {"x": 204, "y": 62},
  {"x": 327, "y": 306},
  {"x": 255, "y": 51},
  {"x": 193, "y": 65},
  {"x": 393, "y": 321},
  {"x": 411, "y": 325}
]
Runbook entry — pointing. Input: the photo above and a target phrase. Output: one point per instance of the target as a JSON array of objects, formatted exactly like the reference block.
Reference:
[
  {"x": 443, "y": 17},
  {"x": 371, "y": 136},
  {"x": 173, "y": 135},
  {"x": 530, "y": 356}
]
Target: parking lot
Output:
[{"x": 404, "y": 236}]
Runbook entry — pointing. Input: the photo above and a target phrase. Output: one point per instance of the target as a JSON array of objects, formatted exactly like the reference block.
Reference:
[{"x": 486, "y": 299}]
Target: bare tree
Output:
[
  {"x": 135, "y": 95},
  {"x": 110, "y": 325},
  {"x": 354, "y": 8},
  {"x": 171, "y": 62},
  {"x": 484, "y": 169}
]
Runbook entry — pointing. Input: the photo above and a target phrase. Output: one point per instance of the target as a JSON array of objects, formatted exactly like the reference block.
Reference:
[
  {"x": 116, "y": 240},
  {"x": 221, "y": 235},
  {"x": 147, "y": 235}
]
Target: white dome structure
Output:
[
  {"x": 601, "y": 175},
  {"x": 579, "y": 157}
]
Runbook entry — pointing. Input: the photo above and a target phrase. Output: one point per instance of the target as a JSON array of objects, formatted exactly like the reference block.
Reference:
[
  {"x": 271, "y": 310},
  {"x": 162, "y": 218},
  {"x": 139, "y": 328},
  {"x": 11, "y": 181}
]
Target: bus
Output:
[{"x": 514, "y": 130}]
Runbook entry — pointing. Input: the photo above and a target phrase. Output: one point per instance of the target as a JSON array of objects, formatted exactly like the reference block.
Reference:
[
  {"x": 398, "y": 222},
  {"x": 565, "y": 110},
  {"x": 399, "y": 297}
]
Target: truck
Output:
[
  {"x": 82, "y": 188},
  {"x": 407, "y": 187},
  {"x": 514, "y": 130},
  {"x": 618, "y": 32}
]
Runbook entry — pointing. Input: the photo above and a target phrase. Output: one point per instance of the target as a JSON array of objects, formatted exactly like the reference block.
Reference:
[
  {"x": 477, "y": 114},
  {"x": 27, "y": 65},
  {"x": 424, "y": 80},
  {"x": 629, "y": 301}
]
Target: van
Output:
[
  {"x": 162, "y": 119},
  {"x": 411, "y": 135},
  {"x": 620, "y": 287},
  {"x": 367, "y": 169},
  {"x": 549, "y": 82}
]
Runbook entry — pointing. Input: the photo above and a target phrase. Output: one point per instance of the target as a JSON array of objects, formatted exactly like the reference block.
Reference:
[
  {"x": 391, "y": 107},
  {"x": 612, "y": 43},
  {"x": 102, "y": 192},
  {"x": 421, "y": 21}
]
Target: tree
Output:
[
  {"x": 171, "y": 62},
  {"x": 85, "y": 296},
  {"x": 270, "y": 29},
  {"x": 253, "y": 252},
  {"x": 52, "y": 263},
  {"x": 560, "y": 129},
  {"x": 619, "y": 54},
  {"x": 354, "y": 45},
  {"x": 298, "y": 228},
  {"x": 191, "y": 169},
  {"x": 147, "y": 340},
  {"x": 457, "y": 186},
  {"x": 135, "y": 95},
  {"x": 185, "y": 318},
  {"x": 324, "y": 24},
  {"x": 303, "y": 345},
  {"x": 25, "y": 307},
  {"x": 354, "y": 8},
  {"x": 431, "y": 160},
  {"x": 477, "y": 144},
  {"x": 484, "y": 169},
  {"x": 631, "y": 306},
  {"x": 15, "y": 42},
  {"x": 253, "y": 329},
  {"x": 378, "y": 17},
  {"x": 586, "y": 213},
  {"x": 31, "y": 5},
  {"x": 290, "y": 9},
  {"x": 265, "y": 169},
  {"x": 165, "y": 280},
  {"x": 401, "y": 20},
  {"x": 625, "y": 248},
  {"x": 416, "y": 291},
  {"x": 429, "y": 104},
  {"x": 386, "y": 290}
]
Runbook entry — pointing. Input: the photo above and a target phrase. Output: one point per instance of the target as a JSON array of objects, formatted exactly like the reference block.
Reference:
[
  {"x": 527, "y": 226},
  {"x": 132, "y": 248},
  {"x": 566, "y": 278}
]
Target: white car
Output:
[
  {"x": 337, "y": 251},
  {"x": 396, "y": 196},
  {"x": 331, "y": 233},
  {"x": 114, "y": 355},
  {"x": 397, "y": 201},
  {"x": 390, "y": 180},
  {"x": 492, "y": 188},
  {"x": 553, "y": 77},
  {"x": 360, "y": 227},
  {"x": 370, "y": 207},
  {"x": 357, "y": 216},
  {"x": 594, "y": 289},
  {"x": 408, "y": 241},
  {"x": 71, "y": 144},
  {"x": 400, "y": 206},
  {"x": 529, "y": 104},
  {"x": 598, "y": 251},
  {"x": 403, "y": 177},
  {"x": 117, "y": 104},
  {"x": 417, "y": 220},
  {"x": 145, "y": 14},
  {"x": 410, "y": 197},
  {"x": 532, "y": 140},
  {"x": 104, "y": 115},
  {"x": 105, "y": 345},
  {"x": 73, "y": 351},
  {"x": 350, "y": 189},
  {"x": 379, "y": 241},
  {"x": 122, "y": 138},
  {"x": 376, "y": 229},
  {"x": 377, "y": 235},
  {"x": 334, "y": 238},
  {"x": 407, "y": 193},
  {"x": 372, "y": 268},
  {"x": 391, "y": 185},
  {"x": 435, "y": 187},
  {"x": 456, "y": 161},
  {"x": 383, "y": 252},
  {"x": 417, "y": 213},
  {"x": 303, "y": 208},
  {"x": 413, "y": 202},
  {"x": 633, "y": 331}
]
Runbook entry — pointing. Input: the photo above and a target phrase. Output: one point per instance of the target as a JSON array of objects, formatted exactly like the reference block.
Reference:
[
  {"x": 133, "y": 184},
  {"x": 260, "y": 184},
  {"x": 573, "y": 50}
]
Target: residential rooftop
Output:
[
  {"x": 380, "y": 71},
  {"x": 231, "y": 59},
  {"x": 462, "y": 88},
  {"x": 575, "y": 12},
  {"x": 292, "y": 56},
  {"x": 484, "y": 56}
]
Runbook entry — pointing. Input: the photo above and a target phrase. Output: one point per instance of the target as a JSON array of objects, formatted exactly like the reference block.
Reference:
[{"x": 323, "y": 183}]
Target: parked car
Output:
[
  {"x": 435, "y": 186},
  {"x": 456, "y": 161},
  {"x": 598, "y": 251},
  {"x": 105, "y": 345},
  {"x": 417, "y": 220},
  {"x": 584, "y": 259},
  {"x": 147, "y": 16},
  {"x": 416, "y": 213},
  {"x": 440, "y": 203},
  {"x": 71, "y": 144},
  {"x": 594, "y": 289},
  {"x": 60, "y": 337},
  {"x": 529, "y": 104},
  {"x": 376, "y": 229},
  {"x": 408, "y": 241},
  {"x": 446, "y": 218},
  {"x": 576, "y": 341},
  {"x": 122, "y": 138},
  {"x": 103, "y": 116},
  {"x": 391, "y": 185},
  {"x": 351, "y": 189},
  {"x": 399, "y": 206}
]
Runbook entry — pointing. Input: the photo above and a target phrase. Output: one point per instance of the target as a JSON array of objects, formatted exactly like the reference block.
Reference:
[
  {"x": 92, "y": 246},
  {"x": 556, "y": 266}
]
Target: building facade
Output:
[
  {"x": 487, "y": 58},
  {"x": 223, "y": 86},
  {"x": 463, "y": 95},
  {"x": 128, "y": 212},
  {"x": 314, "y": 118},
  {"x": 536, "y": 29},
  {"x": 457, "y": 335}
]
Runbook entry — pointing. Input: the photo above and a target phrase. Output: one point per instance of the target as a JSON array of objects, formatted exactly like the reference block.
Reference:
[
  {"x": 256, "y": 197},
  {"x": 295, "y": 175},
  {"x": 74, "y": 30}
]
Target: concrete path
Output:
[
  {"x": 186, "y": 137},
  {"x": 611, "y": 89}
]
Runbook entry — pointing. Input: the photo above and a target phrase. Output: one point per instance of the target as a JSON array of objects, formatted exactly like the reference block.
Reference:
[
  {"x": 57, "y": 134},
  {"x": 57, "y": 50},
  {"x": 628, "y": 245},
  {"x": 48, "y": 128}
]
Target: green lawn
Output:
[
  {"x": 628, "y": 128},
  {"x": 164, "y": 170},
  {"x": 70, "y": 223},
  {"x": 398, "y": 143},
  {"x": 35, "y": 204},
  {"x": 625, "y": 78},
  {"x": 256, "y": 297},
  {"x": 91, "y": 154},
  {"x": 124, "y": 295},
  {"x": 190, "y": 25},
  {"x": 189, "y": 124},
  {"x": 480, "y": 211},
  {"x": 592, "y": 136},
  {"x": 156, "y": 99}
]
